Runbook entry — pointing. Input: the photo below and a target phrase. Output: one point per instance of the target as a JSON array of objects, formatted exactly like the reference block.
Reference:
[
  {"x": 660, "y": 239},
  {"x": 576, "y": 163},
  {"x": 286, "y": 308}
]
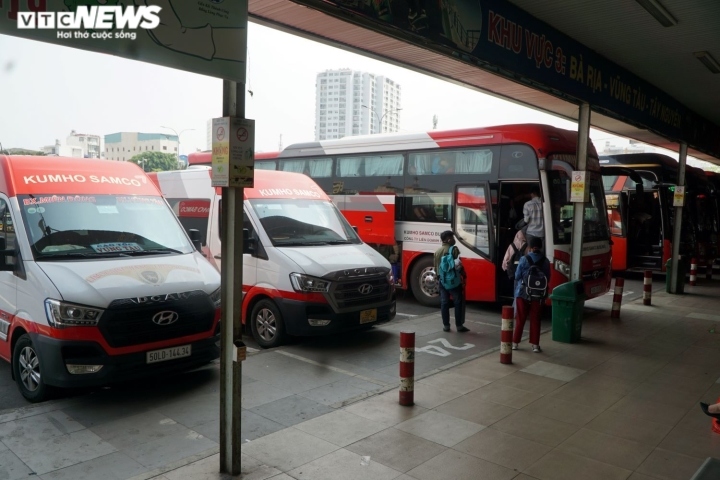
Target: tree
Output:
[{"x": 155, "y": 161}]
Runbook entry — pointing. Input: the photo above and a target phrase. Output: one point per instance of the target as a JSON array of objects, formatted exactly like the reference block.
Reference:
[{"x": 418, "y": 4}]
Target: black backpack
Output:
[
  {"x": 535, "y": 281},
  {"x": 512, "y": 265}
]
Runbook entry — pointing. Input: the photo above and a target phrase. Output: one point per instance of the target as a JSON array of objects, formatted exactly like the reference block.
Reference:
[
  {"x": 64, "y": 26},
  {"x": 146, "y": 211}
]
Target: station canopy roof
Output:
[{"x": 623, "y": 31}]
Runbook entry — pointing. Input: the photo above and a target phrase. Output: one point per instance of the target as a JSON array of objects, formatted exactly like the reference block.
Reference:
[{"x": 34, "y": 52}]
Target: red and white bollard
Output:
[
  {"x": 647, "y": 288},
  {"x": 506, "y": 333},
  {"x": 693, "y": 272},
  {"x": 617, "y": 297},
  {"x": 407, "y": 369},
  {"x": 708, "y": 269}
]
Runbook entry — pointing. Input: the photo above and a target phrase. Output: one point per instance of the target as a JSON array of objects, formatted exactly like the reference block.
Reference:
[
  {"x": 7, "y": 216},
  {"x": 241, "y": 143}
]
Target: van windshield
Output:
[
  {"x": 293, "y": 222},
  {"x": 72, "y": 227}
]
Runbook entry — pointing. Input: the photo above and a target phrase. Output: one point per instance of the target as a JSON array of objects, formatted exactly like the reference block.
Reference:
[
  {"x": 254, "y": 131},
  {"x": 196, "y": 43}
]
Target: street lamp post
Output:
[
  {"x": 380, "y": 117},
  {"x": 177, "y": 157}
]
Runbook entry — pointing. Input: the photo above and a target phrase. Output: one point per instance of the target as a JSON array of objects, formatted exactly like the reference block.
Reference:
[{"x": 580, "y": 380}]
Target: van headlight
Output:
[
  {"x": 215, "y": 297},
  {"x": 305, "y": 283},
  {"x": 562, "y": 267},
  {"x": 63, "y": 314}
]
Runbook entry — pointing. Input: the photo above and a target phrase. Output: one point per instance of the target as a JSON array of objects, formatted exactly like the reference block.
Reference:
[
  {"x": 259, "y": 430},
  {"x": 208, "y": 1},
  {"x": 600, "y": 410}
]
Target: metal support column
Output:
[
  {"x": 677, "y": 227},
  {"x": 579, "y": 208},
  {"x": 231, "y": 264}
]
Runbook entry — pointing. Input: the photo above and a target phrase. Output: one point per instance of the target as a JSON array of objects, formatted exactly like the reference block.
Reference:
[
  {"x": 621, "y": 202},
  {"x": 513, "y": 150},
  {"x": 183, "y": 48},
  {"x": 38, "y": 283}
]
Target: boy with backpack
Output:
[
  {"x": 451, "y": 281},
  {"x": 533, "y": 272}
]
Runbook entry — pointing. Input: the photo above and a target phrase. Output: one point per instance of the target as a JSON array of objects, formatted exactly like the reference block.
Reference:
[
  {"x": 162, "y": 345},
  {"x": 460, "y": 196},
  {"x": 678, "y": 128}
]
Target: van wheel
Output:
[
  {"x": 267, "y": 324},
  {"x": 27, "y": 371},
  {"x": 423, "y": 282}
]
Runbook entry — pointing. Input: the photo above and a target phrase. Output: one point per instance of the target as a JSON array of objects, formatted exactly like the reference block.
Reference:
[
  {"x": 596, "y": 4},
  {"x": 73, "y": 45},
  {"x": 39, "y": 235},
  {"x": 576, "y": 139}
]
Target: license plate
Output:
[
  {"x": 367, "y": 316},
  {"x": 168, "y": 354},
  {"x": 596, "y": 289}
]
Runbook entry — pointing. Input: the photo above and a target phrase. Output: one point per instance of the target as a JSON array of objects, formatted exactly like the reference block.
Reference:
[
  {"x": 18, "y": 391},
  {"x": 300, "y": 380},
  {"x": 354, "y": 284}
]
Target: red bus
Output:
[
  {"x": 639, "y": 191},
  {"x": 398, "y": 191}
]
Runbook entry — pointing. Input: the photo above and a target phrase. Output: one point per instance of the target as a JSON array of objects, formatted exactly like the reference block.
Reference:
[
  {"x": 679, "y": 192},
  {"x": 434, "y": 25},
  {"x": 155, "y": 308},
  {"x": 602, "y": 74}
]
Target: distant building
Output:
[
  {"x": 61, "y": 150},
  {"x": 349, "y": 102},
  {"x": 633, "y": 147},
  {"x": 125, "y": 145},
  {"x": 77, "y": 145}
]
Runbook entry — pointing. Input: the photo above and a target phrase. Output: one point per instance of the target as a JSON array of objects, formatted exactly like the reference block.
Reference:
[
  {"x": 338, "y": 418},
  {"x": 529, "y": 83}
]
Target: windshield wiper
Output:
[
  {"x": 300, "y": 244},
  {"x": 81, "y": 254},
  {"x": 339, "y": 242},
  {"x": 152, "y": 251}
]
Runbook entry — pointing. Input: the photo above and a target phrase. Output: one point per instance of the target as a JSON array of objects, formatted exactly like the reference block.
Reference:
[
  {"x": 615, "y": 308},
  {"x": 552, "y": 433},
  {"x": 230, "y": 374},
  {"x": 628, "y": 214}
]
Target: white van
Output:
[
  {"x": 305, "y": 270},
  {"x": 99, "y": 282}
]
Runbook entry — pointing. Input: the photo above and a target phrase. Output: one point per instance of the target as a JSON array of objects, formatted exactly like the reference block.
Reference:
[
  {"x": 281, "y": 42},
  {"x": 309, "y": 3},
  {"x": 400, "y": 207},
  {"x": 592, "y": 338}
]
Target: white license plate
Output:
[
  {"x": 367, "y": 316},
  {"x": 168, "y": 354},
  {"x": 596, "y": 289}
]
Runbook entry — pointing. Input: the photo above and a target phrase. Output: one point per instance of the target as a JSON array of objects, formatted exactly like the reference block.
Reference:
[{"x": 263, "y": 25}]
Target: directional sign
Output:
[{"x": 578, "y": 187}]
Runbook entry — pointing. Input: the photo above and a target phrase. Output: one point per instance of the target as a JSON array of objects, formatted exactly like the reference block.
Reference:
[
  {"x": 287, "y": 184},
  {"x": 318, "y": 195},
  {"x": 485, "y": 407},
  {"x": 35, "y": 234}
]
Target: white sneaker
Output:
[
  {"x": 514, "y": 346},
  {"x": 537, "y": 349}
]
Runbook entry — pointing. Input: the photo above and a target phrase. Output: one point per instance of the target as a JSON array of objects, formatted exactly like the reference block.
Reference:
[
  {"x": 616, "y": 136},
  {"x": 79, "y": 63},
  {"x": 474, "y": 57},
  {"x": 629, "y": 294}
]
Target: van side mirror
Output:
[
  {"x": 639, "y": 189},
  {"x": 7, "y": 257},
  {"x": 195, "y": 238}
]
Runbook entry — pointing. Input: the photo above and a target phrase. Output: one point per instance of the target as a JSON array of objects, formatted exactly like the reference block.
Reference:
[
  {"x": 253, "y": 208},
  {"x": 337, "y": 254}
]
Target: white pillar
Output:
[
  {"x": 579, "y": 208},
  {"x": 677, "y": 228}
]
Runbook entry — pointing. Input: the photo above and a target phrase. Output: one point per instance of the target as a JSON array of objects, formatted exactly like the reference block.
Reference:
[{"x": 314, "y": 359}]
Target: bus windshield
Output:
[
  {"x": 71, "y": 227},
  {"x": 302, "y": 223},
  {"x": 595, "y": 228}
]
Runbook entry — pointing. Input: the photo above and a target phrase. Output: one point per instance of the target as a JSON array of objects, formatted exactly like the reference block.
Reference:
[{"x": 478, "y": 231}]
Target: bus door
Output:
[
  {"x": 513, "y": 196},
  {"x": 618, "y": 222},
  {"x": 472, "y": 223}
]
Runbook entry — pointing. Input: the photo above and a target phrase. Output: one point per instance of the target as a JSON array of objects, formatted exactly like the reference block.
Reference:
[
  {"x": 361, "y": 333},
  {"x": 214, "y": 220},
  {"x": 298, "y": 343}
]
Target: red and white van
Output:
[
  {"x": 305, "y": 270},
  {"x": 99, "y": 282}
]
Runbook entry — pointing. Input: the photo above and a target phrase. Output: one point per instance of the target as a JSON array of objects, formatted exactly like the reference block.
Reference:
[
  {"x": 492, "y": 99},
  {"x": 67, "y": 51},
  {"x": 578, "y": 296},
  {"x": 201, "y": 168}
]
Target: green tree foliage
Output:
[{"x": 155, "y": 161}]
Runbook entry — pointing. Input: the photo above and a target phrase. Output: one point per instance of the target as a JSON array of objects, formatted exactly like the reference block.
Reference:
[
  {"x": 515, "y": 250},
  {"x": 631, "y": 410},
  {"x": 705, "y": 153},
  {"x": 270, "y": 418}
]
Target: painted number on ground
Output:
[{"x": 440, "y": 351}]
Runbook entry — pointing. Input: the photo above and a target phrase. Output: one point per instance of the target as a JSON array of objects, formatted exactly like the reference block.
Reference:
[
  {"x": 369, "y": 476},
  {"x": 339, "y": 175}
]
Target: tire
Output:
[
  {"x": 28, "y": 371},
  {"x": 267, "y": 324},
  {"x": 423, "y": 282}
]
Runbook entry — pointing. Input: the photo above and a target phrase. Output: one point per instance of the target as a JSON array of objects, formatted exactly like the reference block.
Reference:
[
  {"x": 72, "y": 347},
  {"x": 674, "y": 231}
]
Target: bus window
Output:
[
  {"x": 428, "y": 207},
  {"x": 451, "y": 162},
  {"x": 314, "y": 167},
  {"x": 471, "y": 214},
  {"x": 370, "y": 166},
  {"x": 518, "y": 161},
  {"x": 595, "y": 228},
  {"x": 265, "y": 165}
]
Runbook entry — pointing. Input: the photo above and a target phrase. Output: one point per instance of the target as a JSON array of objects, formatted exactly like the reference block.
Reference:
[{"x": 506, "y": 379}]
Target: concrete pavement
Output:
[{"x": 620, "y": 404}]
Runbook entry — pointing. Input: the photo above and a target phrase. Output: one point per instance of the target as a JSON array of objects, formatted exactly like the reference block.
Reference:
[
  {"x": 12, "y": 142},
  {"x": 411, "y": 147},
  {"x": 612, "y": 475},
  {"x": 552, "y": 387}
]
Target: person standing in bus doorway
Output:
[
  {"x": 530, "y": 299},
  {"x": 458, "y": 294},
  {"x": 533, "y": 217}
]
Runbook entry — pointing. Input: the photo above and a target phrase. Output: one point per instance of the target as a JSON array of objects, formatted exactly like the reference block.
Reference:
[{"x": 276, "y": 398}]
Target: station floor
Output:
[{"x": 620, "y": 404}]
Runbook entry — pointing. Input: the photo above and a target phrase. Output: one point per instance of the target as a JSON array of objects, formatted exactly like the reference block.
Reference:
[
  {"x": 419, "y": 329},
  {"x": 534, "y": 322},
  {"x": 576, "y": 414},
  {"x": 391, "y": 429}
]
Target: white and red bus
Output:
[{"x": 398, "y": 190}]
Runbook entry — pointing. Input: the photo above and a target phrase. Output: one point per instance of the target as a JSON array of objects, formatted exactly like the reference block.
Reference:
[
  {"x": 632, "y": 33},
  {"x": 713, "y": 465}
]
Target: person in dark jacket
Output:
[{"x": 524, "y": 305}]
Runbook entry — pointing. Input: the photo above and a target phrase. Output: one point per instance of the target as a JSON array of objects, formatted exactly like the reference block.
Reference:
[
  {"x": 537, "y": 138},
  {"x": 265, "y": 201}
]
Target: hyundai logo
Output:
[
  {"x": 365, "y": 288},
  {"x": 596, "y": 274},
  {"x": 164, "y": 318},
  {"x": 517, "y": 154}
]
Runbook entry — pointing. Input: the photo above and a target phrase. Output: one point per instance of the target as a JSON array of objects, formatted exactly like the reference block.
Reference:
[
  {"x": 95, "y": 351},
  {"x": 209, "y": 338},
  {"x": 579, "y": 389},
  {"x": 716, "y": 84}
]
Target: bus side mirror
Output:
[
  {"x": 249, "y": 243},
  {"x": 355, "y": 228},
  {"x": 639, "y": 189},
  {"x": 7, "y": 257},
  {"x": 195, "y": 238}
]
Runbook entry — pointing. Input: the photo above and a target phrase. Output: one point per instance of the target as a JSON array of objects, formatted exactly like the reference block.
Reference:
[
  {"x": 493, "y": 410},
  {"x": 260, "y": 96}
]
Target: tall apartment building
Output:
[
  {"x": 349, "y": 102},
  {"x": 125, "y": 145}
]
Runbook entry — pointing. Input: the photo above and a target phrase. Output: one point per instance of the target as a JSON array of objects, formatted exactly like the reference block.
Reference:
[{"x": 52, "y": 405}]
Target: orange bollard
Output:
[
  {"x": 407, "y": 369},
  {"x": 693, "y": 272},
  {"x": 506, "y": 332},
  {"x": 716, "y": 424},
  {"x": 647, "y": 288}
]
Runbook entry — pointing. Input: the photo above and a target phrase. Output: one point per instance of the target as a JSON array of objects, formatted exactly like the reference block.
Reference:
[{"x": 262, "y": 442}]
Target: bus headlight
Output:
[
  {"x": 215, "y": 297},
  {"x": 562, "y": 267},
  {"x": 63, "y": 314},
  {"x": 307, "y": 284}
]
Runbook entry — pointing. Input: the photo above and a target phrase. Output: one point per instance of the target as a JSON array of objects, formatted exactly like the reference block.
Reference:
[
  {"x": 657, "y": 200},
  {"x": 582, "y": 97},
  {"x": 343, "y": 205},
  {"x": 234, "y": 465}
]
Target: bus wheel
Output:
[
  {"x": 424, "y": 282},
  {"x": 26, "y": 367},
  {"x": 267, "y": 324}
]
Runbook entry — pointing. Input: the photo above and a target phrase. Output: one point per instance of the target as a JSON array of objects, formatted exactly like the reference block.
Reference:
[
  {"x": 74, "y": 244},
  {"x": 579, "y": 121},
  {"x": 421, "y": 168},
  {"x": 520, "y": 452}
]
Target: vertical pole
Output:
[
  {"x": 617, "y": 297},
  {"x": 709, "y": 269},
  {"x": 231, "y": 278},
  {"x": 407, "y": 369},
  {"x": 677, "y": 228},
  {"x": 579, "y": 208},
  {"x": 647, "y": 288},
  {"x": 506, "y": 332}
]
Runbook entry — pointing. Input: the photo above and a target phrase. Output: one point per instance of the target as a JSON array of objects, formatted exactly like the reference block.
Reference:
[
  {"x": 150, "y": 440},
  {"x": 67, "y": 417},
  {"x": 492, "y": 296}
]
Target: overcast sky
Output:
[{"x": 48, "y": 90}]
